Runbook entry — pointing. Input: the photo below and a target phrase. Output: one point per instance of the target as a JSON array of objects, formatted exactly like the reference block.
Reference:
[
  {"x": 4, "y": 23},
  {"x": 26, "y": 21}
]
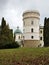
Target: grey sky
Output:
[{"x": 12, "y": 10}]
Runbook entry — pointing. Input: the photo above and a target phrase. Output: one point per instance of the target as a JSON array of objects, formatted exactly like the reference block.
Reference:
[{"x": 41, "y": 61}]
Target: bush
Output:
[{"x": 10, "y": 45}]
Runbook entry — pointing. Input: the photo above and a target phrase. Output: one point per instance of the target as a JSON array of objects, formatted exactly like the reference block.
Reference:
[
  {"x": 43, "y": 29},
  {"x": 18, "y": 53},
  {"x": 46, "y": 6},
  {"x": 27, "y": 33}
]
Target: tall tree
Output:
[
  {"x": 6, "y": 35},
  {"x": 46, "y": 32},
  {"x": 3, "y": 23}
]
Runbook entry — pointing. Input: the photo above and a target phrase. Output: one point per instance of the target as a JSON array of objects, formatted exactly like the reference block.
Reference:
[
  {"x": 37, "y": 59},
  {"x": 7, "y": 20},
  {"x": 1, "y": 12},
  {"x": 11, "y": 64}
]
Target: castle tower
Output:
[{"x": 31, "y": 21}]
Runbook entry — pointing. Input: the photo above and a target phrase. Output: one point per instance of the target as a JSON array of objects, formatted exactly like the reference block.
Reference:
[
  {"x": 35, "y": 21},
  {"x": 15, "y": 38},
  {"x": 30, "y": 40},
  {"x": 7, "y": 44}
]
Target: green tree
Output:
[
  {"x": 3, "y": 23},
  {"x": 6, "y": 34},
  {"x": 46, "y": 32}
]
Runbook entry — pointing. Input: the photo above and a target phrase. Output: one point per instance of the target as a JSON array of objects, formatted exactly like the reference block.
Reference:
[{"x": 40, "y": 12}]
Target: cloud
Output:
[{"x": 12, "y": 10}]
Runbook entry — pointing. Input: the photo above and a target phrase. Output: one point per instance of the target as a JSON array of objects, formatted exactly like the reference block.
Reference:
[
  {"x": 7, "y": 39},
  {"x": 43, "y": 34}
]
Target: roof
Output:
[
  {"x": 31, "y": 11},
  {"x": 41, "y": 27},
  {"x": 17, "y": 31}
]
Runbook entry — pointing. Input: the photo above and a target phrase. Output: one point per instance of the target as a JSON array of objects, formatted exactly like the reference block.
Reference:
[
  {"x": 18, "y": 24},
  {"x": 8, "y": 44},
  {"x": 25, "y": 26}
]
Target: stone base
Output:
[{"x": 31, "y": 43}]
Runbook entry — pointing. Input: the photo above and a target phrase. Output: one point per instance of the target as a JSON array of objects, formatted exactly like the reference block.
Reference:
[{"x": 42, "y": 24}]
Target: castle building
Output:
[
  {"x": 41, "y": 36},
  {"x": 32, "y": 35},
  {"x": 18, "y": 36},
  {"x": 31, "y": 30}
]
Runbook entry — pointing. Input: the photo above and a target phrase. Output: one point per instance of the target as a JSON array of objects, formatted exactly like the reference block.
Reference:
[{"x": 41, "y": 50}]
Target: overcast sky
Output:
[{"x": 12, "y": 10}]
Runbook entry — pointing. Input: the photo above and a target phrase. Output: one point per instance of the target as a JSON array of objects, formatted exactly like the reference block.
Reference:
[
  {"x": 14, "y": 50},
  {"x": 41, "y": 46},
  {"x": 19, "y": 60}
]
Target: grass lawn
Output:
[{"x": 24, "y": 56}]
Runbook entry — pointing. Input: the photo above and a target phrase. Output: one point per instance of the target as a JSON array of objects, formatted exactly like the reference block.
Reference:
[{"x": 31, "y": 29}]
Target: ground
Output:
[{"x": 24, "y": 56}]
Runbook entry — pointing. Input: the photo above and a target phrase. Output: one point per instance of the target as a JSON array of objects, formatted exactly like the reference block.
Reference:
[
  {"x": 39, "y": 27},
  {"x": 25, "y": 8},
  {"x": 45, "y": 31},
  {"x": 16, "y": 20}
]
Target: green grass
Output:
[{"x": 10, "y": 55}]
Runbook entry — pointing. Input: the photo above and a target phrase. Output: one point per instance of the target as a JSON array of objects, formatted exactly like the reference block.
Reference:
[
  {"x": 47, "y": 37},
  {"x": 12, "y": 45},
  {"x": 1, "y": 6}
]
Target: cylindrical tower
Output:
[{"x": 31, "y": 28}]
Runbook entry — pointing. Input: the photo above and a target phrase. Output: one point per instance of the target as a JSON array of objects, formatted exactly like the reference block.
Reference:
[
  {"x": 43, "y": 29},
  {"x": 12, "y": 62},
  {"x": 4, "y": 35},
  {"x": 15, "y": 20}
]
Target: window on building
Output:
[
  {"x": 40, "y": 38},
  {"x": 23, "y": 37},
  {"x": 40, "y": 31},
  {"x": 19, "y": 37},
  {"x": 32, "y": 30},
  {"x": 32, "y": 22},
  {"x": 32, "y": 37},
  {"x": 39, "y": 45}
]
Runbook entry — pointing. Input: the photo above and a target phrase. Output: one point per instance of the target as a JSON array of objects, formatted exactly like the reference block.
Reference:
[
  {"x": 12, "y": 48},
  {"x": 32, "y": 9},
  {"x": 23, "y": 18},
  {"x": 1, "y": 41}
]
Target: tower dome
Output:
[{"x": 18, "y": 31}]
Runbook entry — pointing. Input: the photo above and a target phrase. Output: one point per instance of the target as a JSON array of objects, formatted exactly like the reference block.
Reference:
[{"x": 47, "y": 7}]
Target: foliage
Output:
[
  {"x": 6, "y": 34},
  {"x": 3, "y": 23},
  {"x": 24, "y": 56},
  {"x": 12, "y": 45},
  {"x": 46, "y": 32},
  {"x": 9, "y": 45}
]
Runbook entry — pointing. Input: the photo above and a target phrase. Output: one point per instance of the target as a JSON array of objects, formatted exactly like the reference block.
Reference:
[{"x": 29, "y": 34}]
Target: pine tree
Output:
[
  {"x": 46, "y": 32},
  {"x": 6, "y": 35},
  {"x": 3, "y": 23}
]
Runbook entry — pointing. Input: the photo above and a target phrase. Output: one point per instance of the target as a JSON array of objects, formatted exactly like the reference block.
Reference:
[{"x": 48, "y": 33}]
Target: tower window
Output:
[
  {"x": 40, "y": 38},
  {"x": 32, "y": 30},
  {"x": 32, "y": 22},
  {"x": 32, "y": 37}
]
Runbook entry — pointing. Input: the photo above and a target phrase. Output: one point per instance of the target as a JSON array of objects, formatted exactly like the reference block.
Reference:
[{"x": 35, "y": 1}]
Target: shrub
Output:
[{"x": 9, "y": 45}]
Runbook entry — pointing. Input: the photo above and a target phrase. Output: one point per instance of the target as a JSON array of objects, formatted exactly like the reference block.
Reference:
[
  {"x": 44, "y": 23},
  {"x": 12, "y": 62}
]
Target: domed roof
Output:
[{"x": 17, "y": 31}]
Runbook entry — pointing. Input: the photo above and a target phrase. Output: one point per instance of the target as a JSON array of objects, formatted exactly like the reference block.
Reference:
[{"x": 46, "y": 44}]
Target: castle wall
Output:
[
  {"x": 31, "y": 43},
  {"x": 41, "y": 36}
]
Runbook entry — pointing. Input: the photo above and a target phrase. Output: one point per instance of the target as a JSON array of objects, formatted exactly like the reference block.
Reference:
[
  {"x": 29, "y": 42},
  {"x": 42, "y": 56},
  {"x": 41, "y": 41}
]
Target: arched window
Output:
[
  {"x": 19, "y": 37},
  {"x": 32, "y": 22},
  {"x": 32, "y": 30},
  {"x": 31, "y": 37},
  {"x": 40, "y": 38},
  {"x": 40, "y": 31},
  {"x": 23, "y": 37}
]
